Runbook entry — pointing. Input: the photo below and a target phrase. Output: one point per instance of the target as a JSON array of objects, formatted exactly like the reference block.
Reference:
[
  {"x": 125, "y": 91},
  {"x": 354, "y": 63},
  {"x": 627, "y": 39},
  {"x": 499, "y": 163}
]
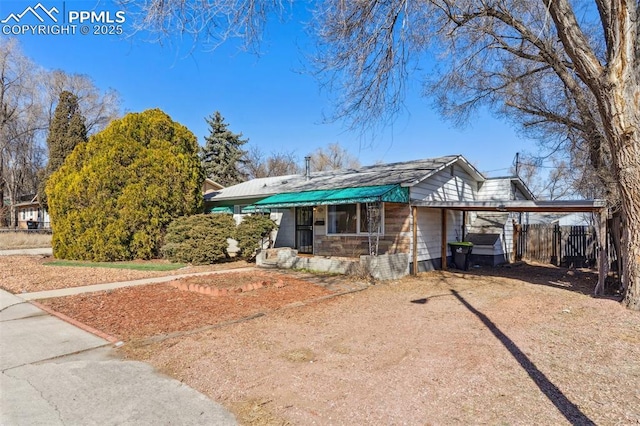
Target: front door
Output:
[{"x": 304, "y": 230}]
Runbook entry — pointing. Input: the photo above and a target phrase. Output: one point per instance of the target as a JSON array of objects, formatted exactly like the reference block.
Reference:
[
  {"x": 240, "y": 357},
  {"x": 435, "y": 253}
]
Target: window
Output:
[
  {"x": 371, "y": 222},
  {"x": 342, "y": 219},
  {"x": 353, "y": 218}
]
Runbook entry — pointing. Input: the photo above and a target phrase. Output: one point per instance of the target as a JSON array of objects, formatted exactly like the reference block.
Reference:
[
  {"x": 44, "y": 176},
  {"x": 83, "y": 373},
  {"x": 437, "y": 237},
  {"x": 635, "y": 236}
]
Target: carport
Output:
[{"x": 598, "y": 207}]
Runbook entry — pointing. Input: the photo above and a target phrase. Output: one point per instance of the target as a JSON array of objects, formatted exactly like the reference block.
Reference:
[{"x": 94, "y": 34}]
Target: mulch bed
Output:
[{"x": 141, "y": 312}]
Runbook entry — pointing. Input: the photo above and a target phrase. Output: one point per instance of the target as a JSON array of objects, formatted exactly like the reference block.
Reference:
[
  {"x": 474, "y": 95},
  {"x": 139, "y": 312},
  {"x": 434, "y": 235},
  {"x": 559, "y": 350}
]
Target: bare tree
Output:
[
  {"x": 28, "y": 97},
  {"x": 333, "y": 157},
  {"x": 569, "y": 71},
  {"x": 23, "y": 158},
  {"x": 559, "y": 180},
  {"x": 21, "y": 123},
  {"x": 98, "y": 107},
  {"x": 211, "y": 23},
  {"x": 258, "y": 165}
]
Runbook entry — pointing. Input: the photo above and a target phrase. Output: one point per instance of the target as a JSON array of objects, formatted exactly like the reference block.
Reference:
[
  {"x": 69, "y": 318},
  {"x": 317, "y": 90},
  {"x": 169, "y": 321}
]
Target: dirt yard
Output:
[{"x": 521, "y": 345}]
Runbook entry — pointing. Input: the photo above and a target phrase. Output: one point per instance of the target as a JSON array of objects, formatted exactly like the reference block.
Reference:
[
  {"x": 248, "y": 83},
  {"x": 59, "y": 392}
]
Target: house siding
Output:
[
  {"x": 430, "y": 232},
  {"x": 519, "y": 195},
  {"x": 284, "y": 236},
  {"x": 446, "y": 186},
  {"x": 495, "y": 190}
]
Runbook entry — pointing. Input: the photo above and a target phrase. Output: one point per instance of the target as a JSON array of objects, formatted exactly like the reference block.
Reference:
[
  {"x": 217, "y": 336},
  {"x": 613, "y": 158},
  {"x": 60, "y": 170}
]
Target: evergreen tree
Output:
[
  {"x": 66, "y": 131},
  {"x": 222, "y": 156},
  {"x": 115, "y": 195}
]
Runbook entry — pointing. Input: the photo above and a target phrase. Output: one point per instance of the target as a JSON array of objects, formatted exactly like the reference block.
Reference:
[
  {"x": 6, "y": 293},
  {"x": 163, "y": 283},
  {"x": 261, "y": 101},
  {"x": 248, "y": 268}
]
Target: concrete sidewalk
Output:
[
  {"x": 112, "y": 286},
  {"x": 28, "y": 252},
  {"x": 56, "y": 374}
]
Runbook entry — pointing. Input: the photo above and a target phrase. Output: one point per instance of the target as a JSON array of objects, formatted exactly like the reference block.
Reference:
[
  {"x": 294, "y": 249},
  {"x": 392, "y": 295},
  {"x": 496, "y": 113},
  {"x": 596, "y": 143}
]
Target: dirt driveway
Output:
[{"x": 527, "y": 347}]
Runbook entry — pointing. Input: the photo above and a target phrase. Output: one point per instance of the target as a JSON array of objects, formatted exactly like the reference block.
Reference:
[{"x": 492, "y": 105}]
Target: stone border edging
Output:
[{"x": 216, "y": 291}]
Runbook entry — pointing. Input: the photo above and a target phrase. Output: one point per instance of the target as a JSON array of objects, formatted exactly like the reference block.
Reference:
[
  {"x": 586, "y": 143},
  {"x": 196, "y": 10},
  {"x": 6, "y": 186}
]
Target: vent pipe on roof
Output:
[{"x": 307, "y": 165}]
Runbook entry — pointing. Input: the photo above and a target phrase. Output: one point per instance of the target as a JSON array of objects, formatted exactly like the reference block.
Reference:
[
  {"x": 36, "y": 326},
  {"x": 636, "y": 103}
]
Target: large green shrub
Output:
[
  {"x": 199, "y": 239},
  {"x": 114, "y": 195},
  {"x": 251, "y": 231}
]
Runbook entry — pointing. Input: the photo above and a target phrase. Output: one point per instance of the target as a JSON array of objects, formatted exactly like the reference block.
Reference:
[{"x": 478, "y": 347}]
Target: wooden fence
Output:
[{"x": 559, "y": 245}]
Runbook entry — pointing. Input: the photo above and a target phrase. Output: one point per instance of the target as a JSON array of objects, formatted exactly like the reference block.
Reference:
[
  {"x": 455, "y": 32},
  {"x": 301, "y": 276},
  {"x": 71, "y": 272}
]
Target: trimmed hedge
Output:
[
  {"x": 250, "y": 233},
  {"x": 199, "y": 239},
  {"x": 202, "y": 239}
]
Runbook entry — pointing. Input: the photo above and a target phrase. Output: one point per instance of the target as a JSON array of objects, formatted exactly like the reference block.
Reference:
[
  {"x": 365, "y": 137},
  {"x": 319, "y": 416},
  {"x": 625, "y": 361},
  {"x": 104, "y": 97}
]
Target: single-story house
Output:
[
  {"x": 31, "y": 215},
  {"x": 397, "y": 217},
  {"x": 384, "y": 209}
]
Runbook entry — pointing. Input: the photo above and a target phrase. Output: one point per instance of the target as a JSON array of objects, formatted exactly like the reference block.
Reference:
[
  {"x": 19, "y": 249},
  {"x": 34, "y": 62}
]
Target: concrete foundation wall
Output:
[
  {"x": 383, "y": 267},
  {"x": 430, "y": 264},
  {"x": 386, "y": 267},
  {"x": 287, "y": 258}
]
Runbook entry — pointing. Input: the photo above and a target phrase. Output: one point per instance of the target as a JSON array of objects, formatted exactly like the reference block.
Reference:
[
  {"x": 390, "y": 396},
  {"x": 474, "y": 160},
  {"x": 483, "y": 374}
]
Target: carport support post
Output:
[
  {"x": 603, "y": 259},
  {"x": 414, "y": 213},
  {"x": 464, "y": 224},
  {"x": 443, "y": 233}
]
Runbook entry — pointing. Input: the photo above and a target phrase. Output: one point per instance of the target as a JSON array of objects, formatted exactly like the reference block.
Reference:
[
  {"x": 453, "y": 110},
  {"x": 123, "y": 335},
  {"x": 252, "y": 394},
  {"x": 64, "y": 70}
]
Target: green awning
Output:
[
  {"x": 364, "y": 194},
  {"x": 221, "y": 209}
]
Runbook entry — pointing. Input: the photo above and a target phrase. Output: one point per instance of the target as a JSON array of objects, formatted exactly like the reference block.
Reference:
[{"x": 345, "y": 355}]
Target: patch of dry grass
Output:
[
  {"x": 24, "y": 240},
  {"x": 255, "y": 412}
]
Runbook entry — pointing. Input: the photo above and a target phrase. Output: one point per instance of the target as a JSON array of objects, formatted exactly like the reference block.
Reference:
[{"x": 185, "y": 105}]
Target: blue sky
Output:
[{"x": 267, "y": 97}]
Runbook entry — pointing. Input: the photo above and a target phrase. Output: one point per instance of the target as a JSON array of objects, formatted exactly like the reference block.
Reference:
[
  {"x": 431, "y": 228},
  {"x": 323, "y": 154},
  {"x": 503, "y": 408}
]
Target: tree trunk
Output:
[
  {"x": 624, "y": 137},
  {"x": 3, "y": 210},
  {"x": 616, "y": 87},
  {"x": 616, "y": 235},
  {"x": 603, "y": 259},
  {"x": 630, "y": 247}
]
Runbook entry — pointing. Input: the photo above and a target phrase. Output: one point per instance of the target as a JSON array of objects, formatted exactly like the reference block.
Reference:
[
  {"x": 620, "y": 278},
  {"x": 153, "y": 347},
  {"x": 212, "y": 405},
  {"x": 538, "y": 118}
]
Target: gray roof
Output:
[
  {"x": 406, "y": 173},
  {"x": 254, "y": 188}
]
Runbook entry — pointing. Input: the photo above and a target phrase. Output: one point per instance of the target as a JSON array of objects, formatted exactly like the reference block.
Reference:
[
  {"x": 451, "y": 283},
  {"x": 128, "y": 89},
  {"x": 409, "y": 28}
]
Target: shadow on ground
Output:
[{"x": 580, "y": 280}]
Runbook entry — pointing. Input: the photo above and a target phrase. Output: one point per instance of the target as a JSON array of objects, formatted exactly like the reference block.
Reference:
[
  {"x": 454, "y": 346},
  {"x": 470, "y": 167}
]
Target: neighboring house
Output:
[
  {"x": 383, "y": 209},
  {"x": 210, "y": 186},
  {"x": 31, "y": 215}
]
